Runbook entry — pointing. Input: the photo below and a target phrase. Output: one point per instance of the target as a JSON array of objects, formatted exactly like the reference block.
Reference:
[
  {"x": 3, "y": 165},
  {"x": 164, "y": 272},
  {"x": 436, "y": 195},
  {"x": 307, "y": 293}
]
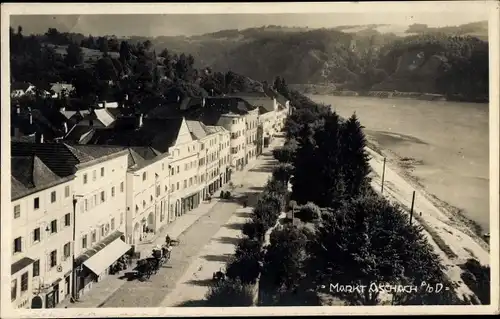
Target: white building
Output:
[
  {"x": 213, "y": 140},
  {"x": 42, "y": 237},
  {"x": 148, "y": 182},
  {"x": 99, "y": 191},
  {"x": 251, "y": 136}
]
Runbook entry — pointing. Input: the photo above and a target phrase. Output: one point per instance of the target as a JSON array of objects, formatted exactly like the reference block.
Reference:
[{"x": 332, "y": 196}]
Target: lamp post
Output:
[{"x": 73, "y": 268}]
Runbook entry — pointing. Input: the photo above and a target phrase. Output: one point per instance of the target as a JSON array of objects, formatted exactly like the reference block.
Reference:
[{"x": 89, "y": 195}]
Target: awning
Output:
[
  {"x": 106, "y": 256},
  {"x": 20, "y": 264}
]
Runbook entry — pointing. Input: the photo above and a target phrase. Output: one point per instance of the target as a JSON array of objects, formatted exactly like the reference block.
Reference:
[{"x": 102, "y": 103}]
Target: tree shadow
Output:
[
  {"x": 235, "y": 226},
  {"x": 257, "y": 188},
  {"x": 229, "y": 240},
  {"x": 221, "y": 258},
  {"x": 192, "y": 303},
  {"x": 267, "y": 168},
  {"x": 201, "y": 282}
]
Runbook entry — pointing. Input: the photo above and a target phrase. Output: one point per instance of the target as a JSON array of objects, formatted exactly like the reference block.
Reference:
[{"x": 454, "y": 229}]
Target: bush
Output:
[
  {"x": 254, "y": 230},
  {"x": 477, "y": 278},
  {"x": 229, "y": 293},
  {"x": 308, "y": 212},
  {"x": 245, "y": 267},
  {"x": 222, "y": 194}
]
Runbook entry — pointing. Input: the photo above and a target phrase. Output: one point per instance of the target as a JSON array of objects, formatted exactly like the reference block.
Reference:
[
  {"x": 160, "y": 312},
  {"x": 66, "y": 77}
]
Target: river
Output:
[{"x": 448, "y": 141}]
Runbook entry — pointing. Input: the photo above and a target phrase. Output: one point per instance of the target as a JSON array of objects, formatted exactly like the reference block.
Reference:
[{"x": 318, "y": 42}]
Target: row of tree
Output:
[{"x": 345, "y": 234}]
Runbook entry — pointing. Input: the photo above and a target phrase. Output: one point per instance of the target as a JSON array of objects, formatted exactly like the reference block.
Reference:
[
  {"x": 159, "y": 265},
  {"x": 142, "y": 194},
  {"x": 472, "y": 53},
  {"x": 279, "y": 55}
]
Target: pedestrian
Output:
[{"x": 167, "y": 240}]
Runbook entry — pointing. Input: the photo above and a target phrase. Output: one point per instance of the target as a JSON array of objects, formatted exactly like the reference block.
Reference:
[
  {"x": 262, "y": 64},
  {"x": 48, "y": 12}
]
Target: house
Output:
[
  {"x": 283, "y": 109},
  {"x": 42, "y": 220},
  {"x": 147, "y": 193},
  {"x": 60, "y": 90},
  {"x": 33, "y": 125},
  {"x": 99, "y": 194},
  {"x": 212, "y": 141},
  {"x": 97, "y": 118},
  {"x": 19, "y": 89}
]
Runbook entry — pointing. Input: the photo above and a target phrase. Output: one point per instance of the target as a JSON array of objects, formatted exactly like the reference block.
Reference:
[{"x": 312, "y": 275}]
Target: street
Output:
[{"x": 204, "y": 247}]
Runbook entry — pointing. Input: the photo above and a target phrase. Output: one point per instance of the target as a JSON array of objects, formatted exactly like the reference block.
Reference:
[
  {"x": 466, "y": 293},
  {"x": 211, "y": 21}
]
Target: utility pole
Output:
[
  {"x": 412, "y": 203},
  {"x": 383, "y": 176}
]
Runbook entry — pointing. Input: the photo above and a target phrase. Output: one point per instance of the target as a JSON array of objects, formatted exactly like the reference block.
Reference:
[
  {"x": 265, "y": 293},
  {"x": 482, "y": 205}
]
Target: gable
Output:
[{"x": 184, "y": 135}]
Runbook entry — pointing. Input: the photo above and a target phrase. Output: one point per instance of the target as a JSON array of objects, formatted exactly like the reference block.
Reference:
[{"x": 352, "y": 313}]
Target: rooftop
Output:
[{"x": 29, "y": 174}]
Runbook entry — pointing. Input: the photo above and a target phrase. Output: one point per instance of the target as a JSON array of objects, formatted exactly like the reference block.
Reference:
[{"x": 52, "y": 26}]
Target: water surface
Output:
[{"x": 449, "y": 140}]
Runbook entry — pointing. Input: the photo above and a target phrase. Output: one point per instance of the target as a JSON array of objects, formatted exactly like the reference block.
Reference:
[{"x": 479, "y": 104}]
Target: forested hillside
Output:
[{"x": 452, "y": 61}]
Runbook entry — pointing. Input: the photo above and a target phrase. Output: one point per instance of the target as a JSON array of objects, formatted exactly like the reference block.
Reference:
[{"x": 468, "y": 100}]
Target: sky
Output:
[{"x": 186, "y": 24}]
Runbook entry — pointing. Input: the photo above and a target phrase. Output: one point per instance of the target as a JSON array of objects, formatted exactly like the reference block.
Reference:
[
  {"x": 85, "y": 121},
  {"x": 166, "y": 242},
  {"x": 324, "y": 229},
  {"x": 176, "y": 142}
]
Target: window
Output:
[
  {"x": 172, "y": 188},
  {"x": 67, "y": 219},
  {"x": 103, "y": 197},
  {"x": 13, "y": 289},
  {"x": 53, "y": 197},
  {"x": 113, "y": 191},
  {"x": 17, "y": 211},
  {"x": 18, "y": 242},
  {"x": 112, "y": 224},
  {"x": 185, "y": 183},
  {"x": 121, "y": 187},
  {"x": 36, "y": 235},
  {"x": 158, "y": 190},
  {"x": 53, "y": 258},
  {"x": 177, "y": 185},
  {"x": 95, "y": 200},
  {"x": 151, "y": 198},
  {"x": 94, "y": 175},
  {"x": 121, "y": 219},
  {"x": 102, "y": 231},
  {"x": 190, "y": 181},
  {"x": 84, "y": 241},
  {"x": 94, "y": 236},
  {"x": 85, "y": 178},
  {"x": 102, "y": 171},
  {"x": 67, "y": 250},
  {"x": 144, "y": 176},
  {"x": 36, "y": 268},
  {"x": 162, "y": 166},
  {"x": 53, "y": 226},
  {"x": 86, "y": 204},
  {"x": 177, "y": 168},
  {"x": 36, "y": 203},
  {"x": 172, "y": 171},
  {"x": 66, "y": 191}
]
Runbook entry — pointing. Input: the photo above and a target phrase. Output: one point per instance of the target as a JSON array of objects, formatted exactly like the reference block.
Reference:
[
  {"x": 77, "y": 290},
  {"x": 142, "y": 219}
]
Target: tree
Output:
[
  {"x": 229, "y": 293},
  {"x": 245, "y": 265},
  {"x": 283, "y": 261},
  {"x": 74, "y": 55},
  {"x": 106, "y": 69},
  {"x": 284, "y": 154},
  {"x": 353, "y": 156},
  {"x": 369, "y": 240},
  {"x": 254, "y": 229},
  {"x": 478, "y": 278},
  {"x": 308, "y": 212},
  {"x": 283, "y": 172},
  {"x": 125, "y": 53}
]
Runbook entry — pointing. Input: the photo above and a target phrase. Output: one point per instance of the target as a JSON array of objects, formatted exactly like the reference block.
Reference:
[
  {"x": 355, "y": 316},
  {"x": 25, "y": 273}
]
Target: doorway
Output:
[{"x": 67, "y": 286}]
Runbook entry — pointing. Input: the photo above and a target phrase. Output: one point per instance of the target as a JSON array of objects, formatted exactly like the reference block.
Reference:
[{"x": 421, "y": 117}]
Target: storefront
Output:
[
  {"x": 95, "y": 264},
  {"x": 190, "y": 202}
]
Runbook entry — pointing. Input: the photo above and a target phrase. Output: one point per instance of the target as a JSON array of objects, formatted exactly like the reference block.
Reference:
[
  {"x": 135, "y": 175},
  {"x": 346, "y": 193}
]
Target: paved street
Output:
[
  {"x": 194, "y": 230},
  {"x": 193, "y": 285}
]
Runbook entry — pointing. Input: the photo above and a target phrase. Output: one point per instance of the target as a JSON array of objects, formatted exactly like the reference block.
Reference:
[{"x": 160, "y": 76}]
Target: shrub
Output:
[
  {"x": 229, "y": 293},
  {"x": 308, "y": 212}
]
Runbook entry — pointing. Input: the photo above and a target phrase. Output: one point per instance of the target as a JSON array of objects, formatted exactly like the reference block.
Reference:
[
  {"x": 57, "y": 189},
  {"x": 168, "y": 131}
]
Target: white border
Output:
[{"x": 406, "y": 8}]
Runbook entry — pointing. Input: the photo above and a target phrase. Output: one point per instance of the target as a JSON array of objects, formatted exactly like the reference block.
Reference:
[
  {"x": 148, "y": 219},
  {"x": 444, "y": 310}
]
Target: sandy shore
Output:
[{"x": 447, "y": 232}]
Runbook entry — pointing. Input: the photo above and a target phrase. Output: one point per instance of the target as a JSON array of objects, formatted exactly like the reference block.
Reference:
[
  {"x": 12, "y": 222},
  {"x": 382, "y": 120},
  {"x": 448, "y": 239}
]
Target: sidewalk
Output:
[{"x": 103, "y": 290}]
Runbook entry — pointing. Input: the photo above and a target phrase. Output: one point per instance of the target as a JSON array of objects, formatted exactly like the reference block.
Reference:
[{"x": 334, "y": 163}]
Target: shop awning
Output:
[{"x": 106, "y": 256}]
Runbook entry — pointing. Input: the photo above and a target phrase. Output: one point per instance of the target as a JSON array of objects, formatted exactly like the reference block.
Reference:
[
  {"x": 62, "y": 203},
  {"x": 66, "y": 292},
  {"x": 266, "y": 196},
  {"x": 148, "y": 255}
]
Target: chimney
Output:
[
  {"x": 31, "y": 118},
  {"x": 178, "y": 98},
  {"x": 18, "y": 109},
  {"x": 104, "y": 104},
  {"x": 126, "y": 97},
  {"x": 65, "y": 128},
  {"x": 203, "y": 102},
  {"x": 40, "y": 138}
]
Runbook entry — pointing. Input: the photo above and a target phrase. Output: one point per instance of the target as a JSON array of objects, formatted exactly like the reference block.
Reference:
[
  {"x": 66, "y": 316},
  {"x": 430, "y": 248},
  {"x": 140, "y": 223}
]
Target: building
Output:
[
  {"x": 42, "y": 236},
  {"x": 60, "y": 90},
  {"x": 283, "y": 108},
  {"x": 251, "y": 135},
  {"x": 19, "y": 89},
  {"x": 100, "y": 203},
  {"x": 213, "y": 158},
  {"x": 148, "y": 186}
]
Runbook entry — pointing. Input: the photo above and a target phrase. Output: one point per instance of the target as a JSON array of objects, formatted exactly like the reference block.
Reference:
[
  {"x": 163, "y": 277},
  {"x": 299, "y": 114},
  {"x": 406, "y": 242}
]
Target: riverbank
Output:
[
  {"x": 451, "y": 240},
  {"x": 319, "y": 89},
  {"x": 457, "y": 217}
]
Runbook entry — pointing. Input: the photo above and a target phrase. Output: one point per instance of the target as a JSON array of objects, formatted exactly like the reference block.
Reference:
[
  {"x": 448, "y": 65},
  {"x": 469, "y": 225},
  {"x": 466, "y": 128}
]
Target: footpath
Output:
[{"x": 106, "y": 292}]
